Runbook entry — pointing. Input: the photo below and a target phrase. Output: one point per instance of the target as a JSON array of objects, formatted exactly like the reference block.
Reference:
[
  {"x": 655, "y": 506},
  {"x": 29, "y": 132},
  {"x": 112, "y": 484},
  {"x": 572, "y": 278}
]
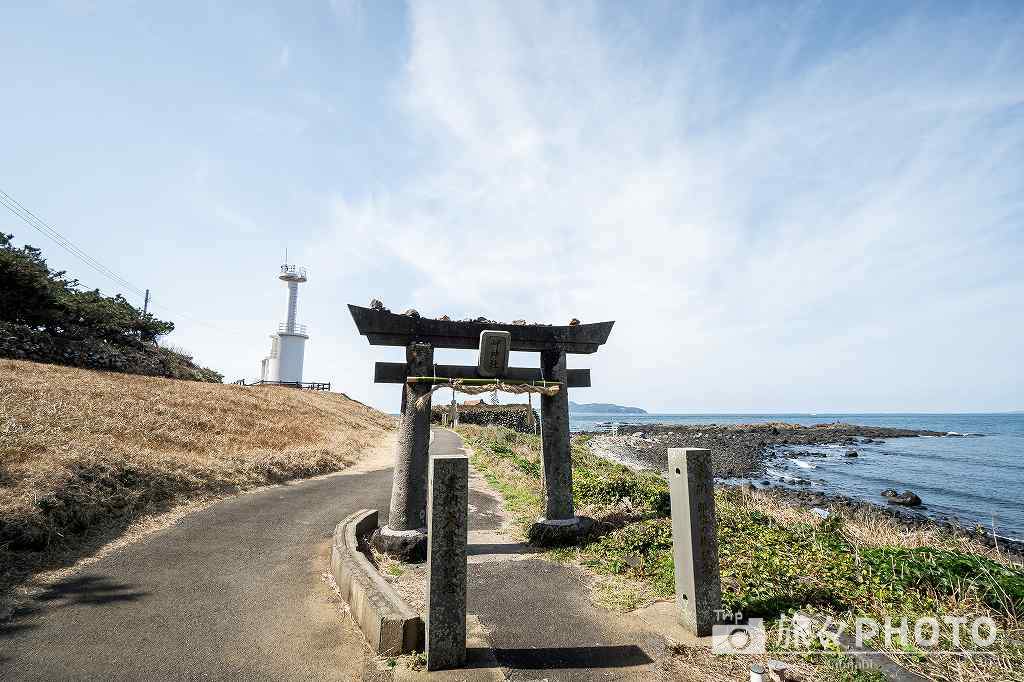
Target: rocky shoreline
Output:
[
  {"x": 744, "y": 450},
  {"x": 910, "y": 518},
  {"x": 737, "y": 449}
]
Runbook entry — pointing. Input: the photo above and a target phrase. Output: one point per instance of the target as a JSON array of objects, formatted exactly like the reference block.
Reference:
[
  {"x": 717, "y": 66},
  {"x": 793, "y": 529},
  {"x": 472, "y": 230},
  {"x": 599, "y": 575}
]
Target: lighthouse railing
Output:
[
  {"x": 294, "y": 270},
  {"x": 285, "y": 328},
  {"x": 304, "y": 385}
]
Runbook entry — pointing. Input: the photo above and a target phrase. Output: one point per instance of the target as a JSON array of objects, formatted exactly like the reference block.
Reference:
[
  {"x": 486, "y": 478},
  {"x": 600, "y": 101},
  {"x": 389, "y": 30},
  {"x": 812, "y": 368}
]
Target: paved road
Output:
[
  {"x": 540, "y": 621},
  {"x": 235, "y": 592},
  {"x": 230, "y": 592}
]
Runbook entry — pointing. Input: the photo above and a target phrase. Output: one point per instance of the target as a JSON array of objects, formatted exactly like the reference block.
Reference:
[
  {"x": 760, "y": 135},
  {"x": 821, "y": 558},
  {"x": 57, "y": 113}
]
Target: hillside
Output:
[
  {"x": 84, "y": 452},
  {"x": 47, "y": 317},
  {"x": 603, "y": 408}
]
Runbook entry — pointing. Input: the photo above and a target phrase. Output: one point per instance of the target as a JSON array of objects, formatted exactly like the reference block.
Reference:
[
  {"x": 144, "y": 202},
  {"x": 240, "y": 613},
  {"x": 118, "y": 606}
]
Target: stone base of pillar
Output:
[
  {"x": 409, "y": 546},
  {"x": 554, "y": 532}
]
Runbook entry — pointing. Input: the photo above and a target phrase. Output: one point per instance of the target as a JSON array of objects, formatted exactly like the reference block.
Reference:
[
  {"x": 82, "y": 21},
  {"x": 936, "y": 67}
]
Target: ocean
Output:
[{"x": 975, "y": 476}]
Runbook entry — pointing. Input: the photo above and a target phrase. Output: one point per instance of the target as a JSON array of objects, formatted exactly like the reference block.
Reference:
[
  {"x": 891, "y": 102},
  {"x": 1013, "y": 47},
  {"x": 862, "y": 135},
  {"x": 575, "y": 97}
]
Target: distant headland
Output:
[{"x": 603, "y": 408}]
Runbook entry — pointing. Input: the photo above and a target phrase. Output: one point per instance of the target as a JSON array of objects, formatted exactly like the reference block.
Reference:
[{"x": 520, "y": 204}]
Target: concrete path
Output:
[
  {"x": 230, "y": 592},
  {"x": 536, "y": 615}
]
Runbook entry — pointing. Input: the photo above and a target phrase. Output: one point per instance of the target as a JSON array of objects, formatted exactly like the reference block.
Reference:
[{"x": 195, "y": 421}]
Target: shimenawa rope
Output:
[{"x": 498, "y": 385}]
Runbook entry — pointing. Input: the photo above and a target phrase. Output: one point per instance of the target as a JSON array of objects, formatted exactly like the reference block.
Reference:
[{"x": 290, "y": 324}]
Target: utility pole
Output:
[{"x": 145, "y": 304}]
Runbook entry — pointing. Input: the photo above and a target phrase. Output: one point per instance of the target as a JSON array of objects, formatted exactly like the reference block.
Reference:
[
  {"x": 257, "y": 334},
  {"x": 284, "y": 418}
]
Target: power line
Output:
[
  {"x": 31, "y": 219},
  {"x": 194, "y": 320}
]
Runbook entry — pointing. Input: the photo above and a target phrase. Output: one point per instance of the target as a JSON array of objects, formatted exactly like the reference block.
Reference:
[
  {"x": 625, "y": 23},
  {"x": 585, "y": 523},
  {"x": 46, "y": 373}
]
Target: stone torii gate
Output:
[{"x": 405, "y": 535}]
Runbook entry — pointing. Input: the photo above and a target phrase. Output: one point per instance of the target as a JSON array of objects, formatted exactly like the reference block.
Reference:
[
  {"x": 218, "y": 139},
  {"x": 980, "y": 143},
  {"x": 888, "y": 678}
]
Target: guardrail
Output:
[
  {"x": 295, "y": 270},
  {"x": 303, "y": 385},
  {"x": 295, "y": 328}
]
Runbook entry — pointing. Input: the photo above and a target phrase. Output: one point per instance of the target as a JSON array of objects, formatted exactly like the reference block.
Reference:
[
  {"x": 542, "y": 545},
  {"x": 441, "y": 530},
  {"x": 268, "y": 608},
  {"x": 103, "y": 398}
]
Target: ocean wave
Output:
[
  {"x": 983, "y": 463},
  {"x": 924, "y": 488},
  {"x": 802, "y": 464},
  {"x": 782, "y": 475}
]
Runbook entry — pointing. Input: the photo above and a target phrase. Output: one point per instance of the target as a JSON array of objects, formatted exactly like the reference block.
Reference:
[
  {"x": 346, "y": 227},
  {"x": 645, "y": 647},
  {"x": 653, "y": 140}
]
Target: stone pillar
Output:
[
  {"x": 448, "y": 524},
  {"x": 694, "y": 539},
  {"x": 405, "y": 534},
  {"x": 559, "y": 524},
  {"x": 555, "y": 437}
]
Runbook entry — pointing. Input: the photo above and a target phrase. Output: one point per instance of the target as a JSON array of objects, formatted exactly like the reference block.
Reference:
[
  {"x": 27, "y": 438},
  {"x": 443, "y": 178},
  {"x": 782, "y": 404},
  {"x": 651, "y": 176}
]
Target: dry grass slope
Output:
[{"x": 82, "y": 450}]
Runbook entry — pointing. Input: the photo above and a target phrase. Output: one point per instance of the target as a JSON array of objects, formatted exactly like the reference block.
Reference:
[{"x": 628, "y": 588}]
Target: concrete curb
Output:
[{"x": 390, "y": 625}]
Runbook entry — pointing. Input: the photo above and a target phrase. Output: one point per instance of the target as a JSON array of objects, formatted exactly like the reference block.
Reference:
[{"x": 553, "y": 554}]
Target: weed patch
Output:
[{"x": 774, "y": 561}]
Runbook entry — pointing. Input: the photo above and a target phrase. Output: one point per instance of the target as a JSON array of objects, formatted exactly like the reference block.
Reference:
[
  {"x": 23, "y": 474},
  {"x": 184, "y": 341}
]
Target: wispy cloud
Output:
[
  {"x": 284, "y": 58},
  {"x": 780, "y": 214}
]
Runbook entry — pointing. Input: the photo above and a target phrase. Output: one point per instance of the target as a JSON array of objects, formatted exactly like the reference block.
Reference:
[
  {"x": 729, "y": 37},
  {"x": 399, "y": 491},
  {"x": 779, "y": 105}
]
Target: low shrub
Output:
[
  {"x": 947, "y": 573},
  {"x": 620, "y": 486},
  {"x": 641, "y": 550}
]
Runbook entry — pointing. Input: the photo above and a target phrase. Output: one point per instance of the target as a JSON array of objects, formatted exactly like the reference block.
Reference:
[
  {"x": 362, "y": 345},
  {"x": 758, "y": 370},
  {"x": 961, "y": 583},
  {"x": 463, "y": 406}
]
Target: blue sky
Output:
[{"x": 784, "y": 206}]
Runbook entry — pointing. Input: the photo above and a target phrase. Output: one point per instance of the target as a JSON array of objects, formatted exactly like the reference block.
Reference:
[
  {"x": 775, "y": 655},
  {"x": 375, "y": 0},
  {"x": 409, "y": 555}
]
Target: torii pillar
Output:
[
  {"x": 405, "y": 535},
  {"x": 559, "y": 525}
]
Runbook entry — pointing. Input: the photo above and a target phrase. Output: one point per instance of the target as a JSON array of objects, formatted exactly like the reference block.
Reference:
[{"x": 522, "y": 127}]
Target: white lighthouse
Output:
[{"x": 288, "y": 345}]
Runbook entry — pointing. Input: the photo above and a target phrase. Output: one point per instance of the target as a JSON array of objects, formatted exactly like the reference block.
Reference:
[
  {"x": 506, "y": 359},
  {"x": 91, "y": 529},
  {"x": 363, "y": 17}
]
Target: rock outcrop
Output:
[
  {"x": 738, "y": 449},
  {"x": 907, "y": 499}
]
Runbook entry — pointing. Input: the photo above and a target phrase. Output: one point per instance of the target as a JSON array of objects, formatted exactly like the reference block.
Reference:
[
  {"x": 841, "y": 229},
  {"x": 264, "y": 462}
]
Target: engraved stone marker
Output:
[
  {"x": 694, "y": 539},
  {"x": 494, "y": 347},
  {"x": 447, "y": 526}
]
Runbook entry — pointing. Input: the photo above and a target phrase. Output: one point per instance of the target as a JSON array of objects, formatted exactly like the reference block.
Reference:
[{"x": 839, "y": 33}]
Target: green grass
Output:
[
  {"x": 947, "y": 573},
  {"x": 771, "y": 565}
]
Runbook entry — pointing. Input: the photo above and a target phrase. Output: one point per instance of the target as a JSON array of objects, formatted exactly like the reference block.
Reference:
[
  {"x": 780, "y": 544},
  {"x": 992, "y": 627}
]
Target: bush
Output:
[
  {"x": 643, "y": 491},
  {"x": 21, "y": 342},
  {"x": 515, "y": 416},
  {"x": 46, "y": 317}
]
